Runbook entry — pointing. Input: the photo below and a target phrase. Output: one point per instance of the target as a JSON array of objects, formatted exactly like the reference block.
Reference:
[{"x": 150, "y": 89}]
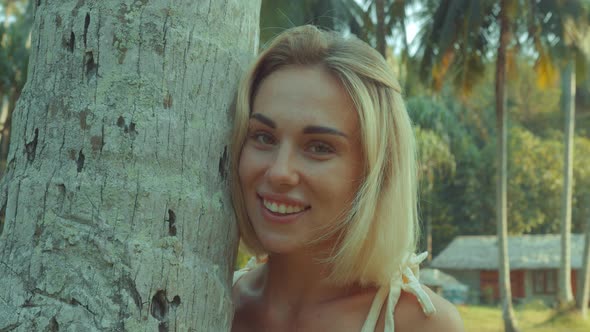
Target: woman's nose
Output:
[{"x": 281, "y": 171}]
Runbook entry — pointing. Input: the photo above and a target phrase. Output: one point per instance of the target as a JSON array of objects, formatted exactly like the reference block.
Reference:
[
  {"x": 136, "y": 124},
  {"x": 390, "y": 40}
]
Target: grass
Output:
[{"x": 535, "y": 317}]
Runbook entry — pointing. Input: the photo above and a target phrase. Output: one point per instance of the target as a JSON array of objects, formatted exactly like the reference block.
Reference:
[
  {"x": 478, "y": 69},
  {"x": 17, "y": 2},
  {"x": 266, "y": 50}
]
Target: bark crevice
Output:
[
  {"x": 31, "y": 147},
  {"x": 86, "y": 24}
]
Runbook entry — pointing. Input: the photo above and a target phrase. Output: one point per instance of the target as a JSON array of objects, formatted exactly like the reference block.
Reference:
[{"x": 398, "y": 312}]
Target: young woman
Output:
[{"x": 324, "y": 188}]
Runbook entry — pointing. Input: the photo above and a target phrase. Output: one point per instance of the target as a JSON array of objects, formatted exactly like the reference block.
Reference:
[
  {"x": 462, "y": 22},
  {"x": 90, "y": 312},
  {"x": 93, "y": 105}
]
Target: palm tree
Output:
[
  {"x": 502, "y": 170},
  {"x": 436, "y": 128},
  {"x": 436, "y": 161},
  {"x": 279, "y": 15},
  {"x": 375, "y": 20},
  {"x": 569, "y": 22},
  {"x": 116, "y": 193},
  {"x": 584, "y": 296},
  {"x": 568, "y": 91},
  {"x": 456, "y": 42}
]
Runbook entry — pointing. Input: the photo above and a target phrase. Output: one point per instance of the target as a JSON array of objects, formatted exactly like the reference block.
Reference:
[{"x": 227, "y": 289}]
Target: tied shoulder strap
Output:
[
  {"x": 408, "y": 282},
  {"x": 252, "y": 263}
]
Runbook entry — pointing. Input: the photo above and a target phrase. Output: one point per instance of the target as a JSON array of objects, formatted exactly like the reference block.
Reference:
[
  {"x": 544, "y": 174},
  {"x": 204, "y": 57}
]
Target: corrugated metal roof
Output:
[{"x": 525, "y": 252}]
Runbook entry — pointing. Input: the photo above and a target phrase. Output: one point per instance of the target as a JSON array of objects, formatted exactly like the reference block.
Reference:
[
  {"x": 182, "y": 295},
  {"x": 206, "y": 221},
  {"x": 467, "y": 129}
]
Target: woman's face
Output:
[{"x": 301, "y": 163}]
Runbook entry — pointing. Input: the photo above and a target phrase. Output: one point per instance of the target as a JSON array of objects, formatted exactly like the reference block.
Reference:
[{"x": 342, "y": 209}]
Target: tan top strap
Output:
[
  {"x": 408, "y": 281},
  {"x": 252, "y": 262}
]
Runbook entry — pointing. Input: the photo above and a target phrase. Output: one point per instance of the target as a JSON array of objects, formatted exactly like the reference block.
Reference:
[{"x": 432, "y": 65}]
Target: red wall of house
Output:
[
  {"x": 491, "y": 279},
  {"x": 574, "y": 282},
  {"x": 517, "y": 283}
]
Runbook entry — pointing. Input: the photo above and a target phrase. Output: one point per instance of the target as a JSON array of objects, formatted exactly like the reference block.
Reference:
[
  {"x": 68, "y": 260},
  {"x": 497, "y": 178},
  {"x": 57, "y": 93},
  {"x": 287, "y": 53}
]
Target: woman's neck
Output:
[{"x": 291, "y": 282}]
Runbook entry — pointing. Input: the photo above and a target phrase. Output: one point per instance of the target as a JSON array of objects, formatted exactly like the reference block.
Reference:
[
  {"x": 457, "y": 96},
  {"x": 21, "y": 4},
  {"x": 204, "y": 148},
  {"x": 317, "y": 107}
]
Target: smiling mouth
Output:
[{"x": 281, "y": 209}]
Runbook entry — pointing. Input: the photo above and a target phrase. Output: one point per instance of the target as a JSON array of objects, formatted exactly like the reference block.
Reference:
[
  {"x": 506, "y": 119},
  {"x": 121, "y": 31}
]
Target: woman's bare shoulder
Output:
[
  {"x": 245, "y": 296},
  {"x": 412, "y": 318},
  {"x": 245, "y": 284}
]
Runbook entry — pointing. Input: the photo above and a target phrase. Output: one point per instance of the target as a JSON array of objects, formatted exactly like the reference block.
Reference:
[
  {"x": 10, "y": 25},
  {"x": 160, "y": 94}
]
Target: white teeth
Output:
[{"x": 282, "y": 208}]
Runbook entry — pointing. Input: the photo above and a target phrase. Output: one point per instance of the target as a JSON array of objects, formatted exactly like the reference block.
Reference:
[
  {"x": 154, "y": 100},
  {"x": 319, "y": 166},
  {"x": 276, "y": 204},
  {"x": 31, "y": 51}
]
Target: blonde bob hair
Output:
[{"x": 380, "y": 230}]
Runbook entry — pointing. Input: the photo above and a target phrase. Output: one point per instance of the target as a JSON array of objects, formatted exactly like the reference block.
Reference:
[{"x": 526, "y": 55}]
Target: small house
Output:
[{"x": 534, "y": 265}]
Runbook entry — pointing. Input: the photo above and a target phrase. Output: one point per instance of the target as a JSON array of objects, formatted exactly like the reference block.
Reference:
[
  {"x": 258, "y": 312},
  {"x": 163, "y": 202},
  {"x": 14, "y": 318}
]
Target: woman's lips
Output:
[{"x": 280, "y": 218}]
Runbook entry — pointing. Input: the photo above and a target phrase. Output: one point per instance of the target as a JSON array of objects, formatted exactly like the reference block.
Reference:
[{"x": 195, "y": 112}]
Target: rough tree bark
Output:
[{"x": 117, "y": 210}]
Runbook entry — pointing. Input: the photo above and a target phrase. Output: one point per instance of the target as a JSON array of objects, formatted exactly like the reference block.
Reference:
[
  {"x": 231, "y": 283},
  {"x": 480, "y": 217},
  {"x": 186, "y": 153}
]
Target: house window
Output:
[{"x": 544, "y": 281}]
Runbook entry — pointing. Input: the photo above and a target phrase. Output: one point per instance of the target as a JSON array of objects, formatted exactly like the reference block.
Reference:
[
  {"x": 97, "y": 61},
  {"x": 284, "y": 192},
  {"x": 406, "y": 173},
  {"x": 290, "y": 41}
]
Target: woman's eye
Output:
[
  {"x": 262, "y": 138},
  {"x": 320, "y": 148}
]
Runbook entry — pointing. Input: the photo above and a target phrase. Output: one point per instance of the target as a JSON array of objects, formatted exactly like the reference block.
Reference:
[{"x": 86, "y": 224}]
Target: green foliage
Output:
[
  {"x": 531, "y": 105},
  {"x": 279, "y": 15},
  {"x": 535, "y": 182},
  {"x": 435, "y": 156},
  {"x": 488, "y": 295},
  {"x": 453, "y": 191},
  {"x": 560, "y": 31},
  {"x": 581, "y": 197},
  {"x": 15, "y": 26},
  {"x": 14, "y": 52},
  {"x": 241, "y": 259},
  {"x": 455, "y": 42},
  {"x": 460, "y": 199}
]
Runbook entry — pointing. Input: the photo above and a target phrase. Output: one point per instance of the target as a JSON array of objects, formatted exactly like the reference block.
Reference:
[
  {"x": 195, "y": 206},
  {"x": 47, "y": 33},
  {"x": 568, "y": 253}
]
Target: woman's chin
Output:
[{"x": 279, "y": 245}]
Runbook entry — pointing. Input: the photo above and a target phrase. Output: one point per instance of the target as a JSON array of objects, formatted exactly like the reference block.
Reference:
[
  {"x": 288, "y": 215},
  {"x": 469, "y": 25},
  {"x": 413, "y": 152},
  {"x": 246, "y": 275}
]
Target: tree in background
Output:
[
  {"x": 437, "y": 164},
  {"x": 583, "y": 296},
  {"x": 558, "y": 32},
  {"x": 435, "y": 160},
  {"x": 116, "y": 195},
  {"x": 457, "y": 38},
  {"x": 507, "y": 10},
  {"x": 455, "y": 42},
  {"x": 571, "y": 50},
  {"x": 377, "y": 22},
  {"x": 14, "y": 58},
  {"x": 279, "y": 15}
]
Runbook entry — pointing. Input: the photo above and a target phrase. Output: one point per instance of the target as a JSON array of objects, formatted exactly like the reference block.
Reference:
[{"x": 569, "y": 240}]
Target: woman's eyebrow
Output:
[
  {"x": 323, "y": 130},
  {"x": 263, "y": 119},
  {"x": 307, "y": 130}
]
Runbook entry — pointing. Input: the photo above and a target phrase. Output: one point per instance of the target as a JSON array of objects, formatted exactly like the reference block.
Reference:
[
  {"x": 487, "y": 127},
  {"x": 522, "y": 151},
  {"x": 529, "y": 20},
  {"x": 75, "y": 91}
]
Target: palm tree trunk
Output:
[
  {"x": 501, "y": 187},
  {"x": 380, "y": 10},
  {"x": 584, "y": 295},
  {"x": 568, "y": 91},
  {"x": 429, "y": 215},
  {"x": 405, "y": 58},
  {"x": 118, "y": 215},
  {"x": 429, "y": 236}
]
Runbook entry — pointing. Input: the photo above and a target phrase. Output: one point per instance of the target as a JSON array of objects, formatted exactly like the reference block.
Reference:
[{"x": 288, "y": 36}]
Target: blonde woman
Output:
[{"x": 324, "y": 189}]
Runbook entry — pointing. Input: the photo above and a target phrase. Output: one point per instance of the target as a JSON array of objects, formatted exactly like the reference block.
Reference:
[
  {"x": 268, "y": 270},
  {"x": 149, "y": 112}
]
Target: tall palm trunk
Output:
[
  {"x": 118, "y": 215},
  {"x": 568, "y": 93},
  {"x": 428, "y": 214},
  {"x": 405, "y": 58},
  {"x": 502, "y": 173},
  {"x": 584, "y": 293},
  {"x": 380, "y": 11}
]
